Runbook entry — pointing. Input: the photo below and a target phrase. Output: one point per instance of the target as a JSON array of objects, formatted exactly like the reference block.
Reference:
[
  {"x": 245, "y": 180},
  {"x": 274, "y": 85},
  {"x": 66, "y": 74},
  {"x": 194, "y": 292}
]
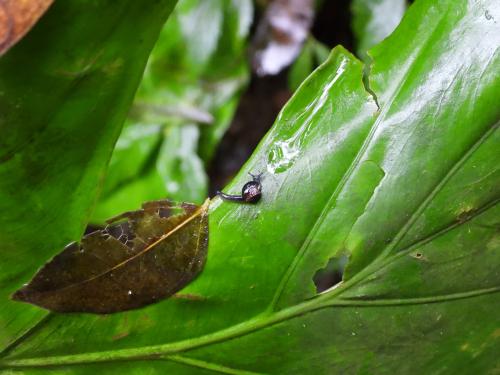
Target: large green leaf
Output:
[
  {"x": 184, "y": 104},
  {"x": 408, "y": 190},
  {"x": 64, "y": 93}
]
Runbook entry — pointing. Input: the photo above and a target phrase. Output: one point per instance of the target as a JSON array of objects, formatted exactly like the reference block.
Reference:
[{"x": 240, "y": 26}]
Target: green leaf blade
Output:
[
  {"x": 408, "y": 191},
  {"x": 59, "y": 104},
  {"x": 456, "y": 97}
]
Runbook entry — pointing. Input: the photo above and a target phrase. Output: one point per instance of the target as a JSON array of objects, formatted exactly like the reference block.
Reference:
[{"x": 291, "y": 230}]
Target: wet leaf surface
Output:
[
  {"x": 406, "y": 189},
  {"x": 17, "y": 18},
  {"x": 141, "y": 257}
]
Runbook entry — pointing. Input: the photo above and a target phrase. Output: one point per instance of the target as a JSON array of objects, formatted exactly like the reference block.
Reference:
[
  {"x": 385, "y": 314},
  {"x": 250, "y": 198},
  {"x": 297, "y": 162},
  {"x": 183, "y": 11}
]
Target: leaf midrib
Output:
[
  {"x": 239, "y": 330},
  {"x": 211, "y": 366}
]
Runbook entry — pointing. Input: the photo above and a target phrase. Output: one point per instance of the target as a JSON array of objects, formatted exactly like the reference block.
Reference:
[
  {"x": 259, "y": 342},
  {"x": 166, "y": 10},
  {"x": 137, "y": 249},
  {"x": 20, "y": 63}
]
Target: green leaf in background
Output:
[
  {"x": 408, "y": 190},
  {"x": 65, "y": 90},
  {"x": 302, "y": 67},
  {"x": 373, "y": 21},
  {"x": 313, "y": 54},
  {"x": 185, "y": 103}
]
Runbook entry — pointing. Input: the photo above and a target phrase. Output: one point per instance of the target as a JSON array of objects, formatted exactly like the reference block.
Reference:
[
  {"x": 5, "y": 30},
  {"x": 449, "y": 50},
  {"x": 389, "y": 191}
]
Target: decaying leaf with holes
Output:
[{"x": 139, "y": 258}]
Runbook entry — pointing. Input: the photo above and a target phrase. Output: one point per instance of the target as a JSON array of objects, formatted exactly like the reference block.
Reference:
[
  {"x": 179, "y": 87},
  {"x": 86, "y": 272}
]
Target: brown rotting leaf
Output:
[
  {"x": 17, "y": 17},
  {"x": 143, "y": 256}
]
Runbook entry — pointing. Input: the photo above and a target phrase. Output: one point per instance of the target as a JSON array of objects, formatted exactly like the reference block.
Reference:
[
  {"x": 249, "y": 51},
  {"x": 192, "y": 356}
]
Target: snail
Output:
[{"x": 250, "y": 193}]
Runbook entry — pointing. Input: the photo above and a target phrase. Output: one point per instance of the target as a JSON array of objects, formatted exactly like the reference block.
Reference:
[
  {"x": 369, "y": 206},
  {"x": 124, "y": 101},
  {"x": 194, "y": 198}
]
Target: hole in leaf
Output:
[
  {"x": 331, "y": 275},
  {"x": 164, "y": 212},
  {"x": 419, "y": 256}
]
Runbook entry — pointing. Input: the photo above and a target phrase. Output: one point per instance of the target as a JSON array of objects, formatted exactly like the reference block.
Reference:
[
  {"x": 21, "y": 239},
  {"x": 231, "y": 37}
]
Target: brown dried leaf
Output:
[
  {"x": 17, "y": 17},
  {"x": 144, "y": 256}
]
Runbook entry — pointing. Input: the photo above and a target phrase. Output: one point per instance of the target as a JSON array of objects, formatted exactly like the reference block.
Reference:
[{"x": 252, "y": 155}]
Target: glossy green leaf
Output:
[
  {"x": 373, "y": 21},
  {"x": 408, "y": 190},
  {"x": 65, "y": 90},
  {"x": 188, "y": 94}
]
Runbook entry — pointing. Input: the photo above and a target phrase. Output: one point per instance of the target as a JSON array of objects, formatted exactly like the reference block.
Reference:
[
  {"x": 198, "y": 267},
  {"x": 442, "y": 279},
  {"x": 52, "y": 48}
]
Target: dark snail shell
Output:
[{"x": 250, "y": 193}]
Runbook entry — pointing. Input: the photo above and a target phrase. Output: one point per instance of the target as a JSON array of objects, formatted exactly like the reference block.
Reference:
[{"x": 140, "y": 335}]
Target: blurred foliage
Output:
[
  {"x": 373, "y": 21},
  {"x": 280, "y": 34},
  {"x": 312, "y": 55},
  {"x": 184, "y": 104},
  {"x": 65, "y": 90}
]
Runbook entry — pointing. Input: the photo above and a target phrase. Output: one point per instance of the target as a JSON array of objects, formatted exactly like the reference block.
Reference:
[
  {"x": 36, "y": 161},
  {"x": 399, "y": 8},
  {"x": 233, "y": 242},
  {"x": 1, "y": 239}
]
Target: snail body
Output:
[{"x": 250, "y": 193}]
